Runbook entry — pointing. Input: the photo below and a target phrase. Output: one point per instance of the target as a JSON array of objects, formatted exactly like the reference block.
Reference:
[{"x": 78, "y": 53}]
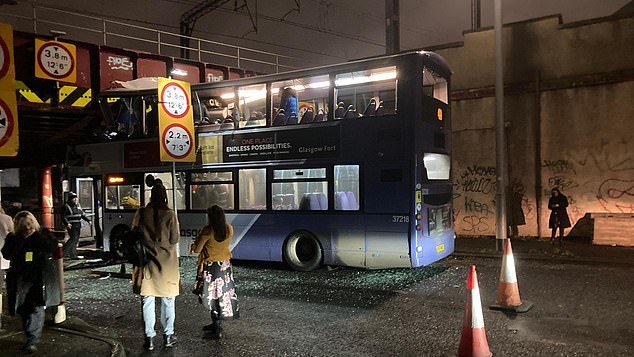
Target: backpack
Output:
[
  {"x": 127, "y": 244},
  {"x": 133, "y": 248}
]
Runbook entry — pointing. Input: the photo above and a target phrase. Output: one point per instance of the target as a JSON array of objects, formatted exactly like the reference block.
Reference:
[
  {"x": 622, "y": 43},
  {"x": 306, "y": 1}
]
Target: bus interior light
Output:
[
  {"x": 374, "y": 77},
  {"x": 323, "y": 84},
  {"x": 229, "y": 95}
]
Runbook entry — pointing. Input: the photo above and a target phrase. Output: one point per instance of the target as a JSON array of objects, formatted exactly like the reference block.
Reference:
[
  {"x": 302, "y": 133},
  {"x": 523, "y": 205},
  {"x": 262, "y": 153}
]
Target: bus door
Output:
[{"x": 86, "y": 196}]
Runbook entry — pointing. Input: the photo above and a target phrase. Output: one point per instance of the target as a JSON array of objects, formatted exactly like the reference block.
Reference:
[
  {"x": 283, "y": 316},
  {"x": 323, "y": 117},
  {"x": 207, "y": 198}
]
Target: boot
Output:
[
  {"x": 148, "y": 343},
  {"x": 216, "y": 329}
]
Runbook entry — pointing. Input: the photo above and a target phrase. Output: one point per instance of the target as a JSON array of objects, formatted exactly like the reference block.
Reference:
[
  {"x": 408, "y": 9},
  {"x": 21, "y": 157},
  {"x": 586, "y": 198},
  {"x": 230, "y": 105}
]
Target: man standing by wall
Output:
[{"x": 72, "y": 216}]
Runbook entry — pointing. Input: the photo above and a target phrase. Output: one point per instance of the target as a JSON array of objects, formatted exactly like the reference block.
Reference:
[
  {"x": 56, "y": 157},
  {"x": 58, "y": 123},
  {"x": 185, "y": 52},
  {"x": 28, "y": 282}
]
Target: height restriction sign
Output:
[
  {"x": 8, "y": 106},
  {"x": 176, "y": 121},
  {"x": 55, "y": 60}
]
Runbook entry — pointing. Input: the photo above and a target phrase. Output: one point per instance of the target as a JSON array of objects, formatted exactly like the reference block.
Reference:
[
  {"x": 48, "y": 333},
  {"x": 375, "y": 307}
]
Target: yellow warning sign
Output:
[
  {"x": 9, "y": 143},
  {"x": 176, "y": 121},
  {"x": 55, "y": 60},
  {"x": 8, "y": 123},
  {"x": 7, "y": 66}
]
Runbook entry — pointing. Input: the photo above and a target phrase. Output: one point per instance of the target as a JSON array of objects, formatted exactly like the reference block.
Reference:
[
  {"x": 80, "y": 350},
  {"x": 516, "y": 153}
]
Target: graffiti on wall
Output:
[
  {"x": 617, "y": 195},
  {"x": 474, "y": 200}
]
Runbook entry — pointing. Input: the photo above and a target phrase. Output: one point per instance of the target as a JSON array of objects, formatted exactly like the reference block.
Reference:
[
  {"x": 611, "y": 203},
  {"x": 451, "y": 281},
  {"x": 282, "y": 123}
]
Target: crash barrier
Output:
[{"x": 613, "y": 229}]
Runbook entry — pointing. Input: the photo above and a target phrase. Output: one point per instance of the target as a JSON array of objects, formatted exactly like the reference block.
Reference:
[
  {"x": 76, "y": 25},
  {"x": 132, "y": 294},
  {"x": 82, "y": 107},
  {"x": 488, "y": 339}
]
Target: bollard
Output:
[{"x": 60, "y": 315}]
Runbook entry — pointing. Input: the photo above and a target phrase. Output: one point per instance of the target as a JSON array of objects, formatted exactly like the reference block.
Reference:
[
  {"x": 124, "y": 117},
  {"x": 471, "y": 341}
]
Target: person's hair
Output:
[
  {"x": 158, "y": 200},
  {"x": 24, "y": 224},
  {"x": 218, "y": 222},
  {"x": 556, "y": 189}
]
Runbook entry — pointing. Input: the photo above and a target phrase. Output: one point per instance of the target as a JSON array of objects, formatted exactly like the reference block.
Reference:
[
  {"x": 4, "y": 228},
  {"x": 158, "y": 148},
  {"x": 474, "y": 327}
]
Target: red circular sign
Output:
[
  {"x": 175, "y": 100},
  {"x": 5, "y": 61},
  {"x": 177, "y": 141},
  {"x": 7, "y": 129},
  {"x": 59, "y": 61}
]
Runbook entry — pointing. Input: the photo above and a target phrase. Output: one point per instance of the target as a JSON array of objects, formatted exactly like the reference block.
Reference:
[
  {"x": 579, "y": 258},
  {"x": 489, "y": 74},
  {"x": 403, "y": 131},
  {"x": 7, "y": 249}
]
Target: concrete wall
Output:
[{"x": 569, "y": 114}]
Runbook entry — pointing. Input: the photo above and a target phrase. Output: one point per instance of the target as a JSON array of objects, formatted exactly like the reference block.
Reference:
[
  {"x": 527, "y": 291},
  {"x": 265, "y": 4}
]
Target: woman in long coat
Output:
[
  {"x": 160, "y": 277},
  {"x": 558, "y": 215},
  {"x": 29, "y": 249},
  {"x": 214, "y": 283}
]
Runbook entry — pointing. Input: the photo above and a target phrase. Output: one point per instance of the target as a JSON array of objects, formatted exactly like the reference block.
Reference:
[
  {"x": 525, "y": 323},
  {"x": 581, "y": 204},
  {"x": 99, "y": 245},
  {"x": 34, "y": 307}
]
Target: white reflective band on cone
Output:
[
  {"x": 507, "y": 274},
  {"x": 477, "y": 320}
]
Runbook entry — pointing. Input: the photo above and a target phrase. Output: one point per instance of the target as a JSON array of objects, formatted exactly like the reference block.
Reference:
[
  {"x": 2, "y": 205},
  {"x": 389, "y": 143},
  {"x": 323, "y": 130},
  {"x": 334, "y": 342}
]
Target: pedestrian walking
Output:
[
  {"x": 29, "y": 249},
  {"x": 214, "y": 283},
  {"x": 160, "y": 277},
  {"x": 558, "y": 215},
  {"x": 71, "y": 217},
  {"x": 6, "y": 227}
]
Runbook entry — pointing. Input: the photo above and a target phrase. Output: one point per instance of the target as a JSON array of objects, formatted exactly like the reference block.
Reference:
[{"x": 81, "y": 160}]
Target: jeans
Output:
[
  {"x": 33, "y": 324},
  {"x": 167, "y": 315},
  {"x": 70, "y": 248}
]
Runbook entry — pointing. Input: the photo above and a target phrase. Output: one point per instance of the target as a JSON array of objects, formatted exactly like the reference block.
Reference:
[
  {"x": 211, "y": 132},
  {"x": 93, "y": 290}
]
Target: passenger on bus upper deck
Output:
[{"x": 289, "y": 102}]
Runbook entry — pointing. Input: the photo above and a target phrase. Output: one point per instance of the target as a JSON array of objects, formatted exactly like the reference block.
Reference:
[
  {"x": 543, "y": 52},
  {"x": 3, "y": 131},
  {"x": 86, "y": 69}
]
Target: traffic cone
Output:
[
  {"x": 60, "y": 315},
  {"x": 473, "y": 342},
  {"x": 508, "y": 291}
]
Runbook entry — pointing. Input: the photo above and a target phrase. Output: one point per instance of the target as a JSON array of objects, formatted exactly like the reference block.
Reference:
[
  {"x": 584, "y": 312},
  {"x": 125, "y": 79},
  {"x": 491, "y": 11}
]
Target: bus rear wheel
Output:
[{"x": 302, "y": 251}]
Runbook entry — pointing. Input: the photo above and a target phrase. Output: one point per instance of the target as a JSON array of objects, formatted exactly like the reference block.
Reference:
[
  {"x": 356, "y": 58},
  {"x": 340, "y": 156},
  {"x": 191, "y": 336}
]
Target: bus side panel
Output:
[{"x": 387, "y": 242}]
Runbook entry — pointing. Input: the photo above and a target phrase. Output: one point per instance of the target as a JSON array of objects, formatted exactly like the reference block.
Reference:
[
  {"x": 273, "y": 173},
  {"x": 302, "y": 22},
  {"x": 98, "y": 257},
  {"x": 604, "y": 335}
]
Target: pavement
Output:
[
  {"x": 569, "y": 251},
  {"x": 81, "y": 339}
]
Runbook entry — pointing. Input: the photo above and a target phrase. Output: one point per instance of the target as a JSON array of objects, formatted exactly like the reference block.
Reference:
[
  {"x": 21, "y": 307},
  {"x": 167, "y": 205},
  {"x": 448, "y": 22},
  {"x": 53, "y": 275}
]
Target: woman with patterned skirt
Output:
[{"x": 214, "y": 282}]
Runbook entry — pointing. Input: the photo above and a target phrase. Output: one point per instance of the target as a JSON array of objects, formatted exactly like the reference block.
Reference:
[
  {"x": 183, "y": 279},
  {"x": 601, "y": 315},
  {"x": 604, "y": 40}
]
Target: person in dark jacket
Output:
[
  {"x": 28, "y": 248},
  {"x": 72, "y": 216},
  {"x": 515, "y": 213},
  {"x": 558, "y": 215}
]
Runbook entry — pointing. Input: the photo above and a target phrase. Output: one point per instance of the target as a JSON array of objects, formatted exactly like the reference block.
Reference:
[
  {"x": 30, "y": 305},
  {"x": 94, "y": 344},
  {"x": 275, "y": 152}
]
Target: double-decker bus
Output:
[{"x": 345, "y": 164}]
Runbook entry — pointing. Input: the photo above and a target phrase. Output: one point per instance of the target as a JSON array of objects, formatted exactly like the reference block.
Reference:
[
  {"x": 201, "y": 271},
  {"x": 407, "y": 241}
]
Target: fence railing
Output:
[{"x": 114, "y": 33}]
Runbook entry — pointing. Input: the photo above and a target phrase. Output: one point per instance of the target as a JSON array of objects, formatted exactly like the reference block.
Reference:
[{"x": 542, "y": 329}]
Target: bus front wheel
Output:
[{"x": 302, "y": 251}]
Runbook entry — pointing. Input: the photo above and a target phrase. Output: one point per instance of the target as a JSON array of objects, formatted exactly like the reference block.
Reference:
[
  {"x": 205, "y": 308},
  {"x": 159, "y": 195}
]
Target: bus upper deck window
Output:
[
  {"x": 435, "y": 86},
  {"x": 252, "y": 106},
  {"x": 299, "y": 101},
  {"x": 366, "y": 93}
]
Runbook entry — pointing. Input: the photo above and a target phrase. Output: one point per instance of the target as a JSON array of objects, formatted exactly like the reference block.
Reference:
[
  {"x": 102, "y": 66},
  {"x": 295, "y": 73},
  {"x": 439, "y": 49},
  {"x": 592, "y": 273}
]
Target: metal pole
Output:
[
  {"x": 199, "y": 54},
  {"x": 178, "y": 251},
  {"x": 158, "y": 41},
  {"x": 144, "y": 116},
  {"x": 34, "y": 20},
  {"x": 500, "y": 159},
  {"x": 392, "y": 40},
  {"x": 104, "y": 32},
  {"x": 238, "y": 55}
]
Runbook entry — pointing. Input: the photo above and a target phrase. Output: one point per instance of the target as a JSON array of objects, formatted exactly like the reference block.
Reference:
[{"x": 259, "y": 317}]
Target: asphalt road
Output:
[{"x": 580, "y": 310}]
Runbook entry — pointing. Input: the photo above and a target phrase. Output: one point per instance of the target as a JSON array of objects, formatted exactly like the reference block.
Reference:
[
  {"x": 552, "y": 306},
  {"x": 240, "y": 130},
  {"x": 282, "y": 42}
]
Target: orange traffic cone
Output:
[
  {"x": 473, "y": 342},
  {"x": 508, "y": 291}
]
